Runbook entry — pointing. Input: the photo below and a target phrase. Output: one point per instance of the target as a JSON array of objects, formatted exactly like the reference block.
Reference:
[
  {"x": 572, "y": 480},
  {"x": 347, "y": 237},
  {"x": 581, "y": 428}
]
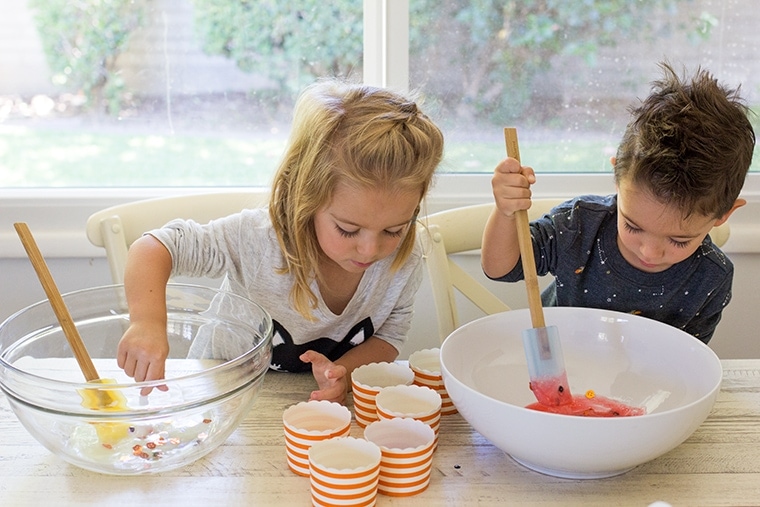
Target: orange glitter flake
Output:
[{"x": 590, "y": 394}]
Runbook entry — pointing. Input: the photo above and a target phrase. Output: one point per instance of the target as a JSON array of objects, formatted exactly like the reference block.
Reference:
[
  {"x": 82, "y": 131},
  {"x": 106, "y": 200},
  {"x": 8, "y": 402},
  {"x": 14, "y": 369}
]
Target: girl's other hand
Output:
[{"x": 331, "y": 378}]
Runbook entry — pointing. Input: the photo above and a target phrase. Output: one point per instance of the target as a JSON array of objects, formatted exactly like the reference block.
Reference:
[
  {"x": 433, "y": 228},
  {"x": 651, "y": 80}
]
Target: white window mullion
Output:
[{"x": 386, "y": 43}]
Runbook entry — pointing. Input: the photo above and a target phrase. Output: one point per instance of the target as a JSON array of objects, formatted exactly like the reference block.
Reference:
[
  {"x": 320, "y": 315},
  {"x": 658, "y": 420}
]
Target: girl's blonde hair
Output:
[{"x": 349, "y": 133}]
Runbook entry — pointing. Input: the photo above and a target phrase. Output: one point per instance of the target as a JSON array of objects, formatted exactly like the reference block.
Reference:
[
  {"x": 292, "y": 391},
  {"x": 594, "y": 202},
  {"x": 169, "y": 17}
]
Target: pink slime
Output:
[{"x": 553, "y": 395}]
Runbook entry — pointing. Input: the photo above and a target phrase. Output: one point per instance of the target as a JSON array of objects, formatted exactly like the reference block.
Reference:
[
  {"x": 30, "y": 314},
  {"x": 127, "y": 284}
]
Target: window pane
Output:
[
  {"x": 200, "y": 92},
  {"x": 563, "y": 75},
  {"x": 159, "y": 93}
]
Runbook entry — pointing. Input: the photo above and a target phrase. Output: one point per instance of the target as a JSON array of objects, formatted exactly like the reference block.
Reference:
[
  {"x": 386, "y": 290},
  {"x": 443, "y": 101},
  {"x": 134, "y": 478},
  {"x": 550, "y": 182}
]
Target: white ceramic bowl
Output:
[
  {"x": 221, "y": 345},
  {"x": 625, "y": 357}
]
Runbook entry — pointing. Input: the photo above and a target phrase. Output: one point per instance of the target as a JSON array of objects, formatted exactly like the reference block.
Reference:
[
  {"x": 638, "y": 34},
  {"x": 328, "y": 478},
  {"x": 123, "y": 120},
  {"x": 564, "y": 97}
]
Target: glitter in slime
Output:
[
  {"x": 127, "y": 446},
  {"x": 123, "y": 442},
  {"x": 554, "y": 396}
]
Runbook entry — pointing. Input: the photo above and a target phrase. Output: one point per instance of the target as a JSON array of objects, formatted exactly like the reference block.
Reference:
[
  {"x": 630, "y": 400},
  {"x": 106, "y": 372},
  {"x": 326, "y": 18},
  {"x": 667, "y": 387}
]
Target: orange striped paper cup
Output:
[
  {"x": 426, "y": 365},
  {"x": 344, "y": 471},
  {"x": 416, "y": 402},
  {"x": 308, "y": 422},
  {"x": 366, "y": 382},
  {"x": 407, "y": 447}
]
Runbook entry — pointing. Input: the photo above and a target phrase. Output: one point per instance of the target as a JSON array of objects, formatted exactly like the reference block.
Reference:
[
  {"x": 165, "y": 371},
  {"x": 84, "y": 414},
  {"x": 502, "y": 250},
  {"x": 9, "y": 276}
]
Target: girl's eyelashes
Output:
[
  {"x": 345, "y": 233},
  {"x": 677, "y": 244},
  {"x": 350, "y": 234}
]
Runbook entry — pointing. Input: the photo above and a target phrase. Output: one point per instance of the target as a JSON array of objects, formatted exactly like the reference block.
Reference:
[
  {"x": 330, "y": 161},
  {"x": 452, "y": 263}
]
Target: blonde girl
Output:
[{"x": 334, "y": 257}]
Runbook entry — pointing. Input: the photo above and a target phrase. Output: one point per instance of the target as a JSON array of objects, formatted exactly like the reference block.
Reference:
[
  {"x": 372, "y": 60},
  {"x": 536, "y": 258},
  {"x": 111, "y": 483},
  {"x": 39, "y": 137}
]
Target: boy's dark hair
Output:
[{"x": 689, "y": 143}]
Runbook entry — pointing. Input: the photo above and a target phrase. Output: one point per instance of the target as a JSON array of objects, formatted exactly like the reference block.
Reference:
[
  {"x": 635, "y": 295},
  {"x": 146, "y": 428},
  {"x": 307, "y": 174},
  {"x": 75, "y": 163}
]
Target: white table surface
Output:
[{"x": 718, "y": 465}]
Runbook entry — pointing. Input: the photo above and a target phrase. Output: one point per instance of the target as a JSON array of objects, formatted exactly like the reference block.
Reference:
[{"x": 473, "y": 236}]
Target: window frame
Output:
[{"x": 58, "y": 215}]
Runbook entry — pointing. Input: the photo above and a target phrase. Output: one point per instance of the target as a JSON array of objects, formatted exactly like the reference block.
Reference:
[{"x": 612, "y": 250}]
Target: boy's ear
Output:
[{"x": 738, "y": 204}]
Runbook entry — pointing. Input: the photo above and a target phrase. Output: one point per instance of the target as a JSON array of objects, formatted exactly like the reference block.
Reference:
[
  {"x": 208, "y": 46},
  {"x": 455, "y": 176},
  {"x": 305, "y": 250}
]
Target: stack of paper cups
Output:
[
  {"x": 366, "y": 382},
  {"x": 309, "y": 422},
  {"x": 407, "y": 447},
  {"x": 344, "y": 471},
  {"x": 417, "y": 402},
  {"x": 426, "y": 365}
]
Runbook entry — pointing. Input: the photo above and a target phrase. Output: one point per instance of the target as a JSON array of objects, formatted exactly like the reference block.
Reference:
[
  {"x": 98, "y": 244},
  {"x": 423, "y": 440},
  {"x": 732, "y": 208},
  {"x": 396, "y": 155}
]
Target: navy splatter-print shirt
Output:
[{"x": 577, "y": 243}]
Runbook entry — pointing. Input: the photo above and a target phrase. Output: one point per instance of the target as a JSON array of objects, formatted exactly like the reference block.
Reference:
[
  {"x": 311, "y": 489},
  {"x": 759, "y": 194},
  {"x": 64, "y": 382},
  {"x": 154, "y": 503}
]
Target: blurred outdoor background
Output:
[{"x": 109, "y": 93}]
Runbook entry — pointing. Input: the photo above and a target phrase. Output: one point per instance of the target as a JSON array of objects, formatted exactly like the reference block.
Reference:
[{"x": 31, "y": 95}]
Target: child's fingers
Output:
[
  {"x": 313, "y": 357},
  {"x": 507, "y": 166},
  {"x": 336, "y": 372},
  {"x": 121, "y": 358},
  {"x": 529, "y": 174},
  {"x": 506, "y": 191},
  {"x": 155, "y": 370},
  {"x": 510, "y": 166},
  {"x": 333, "y": 393}
]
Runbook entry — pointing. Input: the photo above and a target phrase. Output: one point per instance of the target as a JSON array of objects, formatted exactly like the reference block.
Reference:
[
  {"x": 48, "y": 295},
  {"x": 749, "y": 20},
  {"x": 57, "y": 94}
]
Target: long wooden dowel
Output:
[
  {"x": 526, "y": 243},
  {"x": 56, "y": 301}
]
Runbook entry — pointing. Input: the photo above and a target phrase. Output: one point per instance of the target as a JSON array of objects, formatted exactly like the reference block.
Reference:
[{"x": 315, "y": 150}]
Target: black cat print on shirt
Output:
[{"x": 285, "y": 354}]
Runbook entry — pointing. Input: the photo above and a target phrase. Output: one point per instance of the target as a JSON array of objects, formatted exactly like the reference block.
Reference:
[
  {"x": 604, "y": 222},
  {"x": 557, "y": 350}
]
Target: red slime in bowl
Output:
[{"x": 553, "y": 395}]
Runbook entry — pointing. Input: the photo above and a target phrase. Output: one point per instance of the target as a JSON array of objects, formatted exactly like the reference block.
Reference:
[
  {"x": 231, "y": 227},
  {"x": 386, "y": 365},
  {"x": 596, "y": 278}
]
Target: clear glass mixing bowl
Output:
[{"x": 220, "y": 348}]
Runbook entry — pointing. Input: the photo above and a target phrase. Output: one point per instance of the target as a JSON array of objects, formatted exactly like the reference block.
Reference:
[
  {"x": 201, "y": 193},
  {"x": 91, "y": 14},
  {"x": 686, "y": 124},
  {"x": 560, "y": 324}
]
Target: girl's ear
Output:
[{"x": 738, "y": 204}]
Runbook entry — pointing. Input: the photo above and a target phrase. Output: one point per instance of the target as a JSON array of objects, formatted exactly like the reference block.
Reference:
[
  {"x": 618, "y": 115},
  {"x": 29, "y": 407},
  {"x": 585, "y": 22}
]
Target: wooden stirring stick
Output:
[
  {"x": 56, "y": 301},
  {"x": 526, "y": 244}
]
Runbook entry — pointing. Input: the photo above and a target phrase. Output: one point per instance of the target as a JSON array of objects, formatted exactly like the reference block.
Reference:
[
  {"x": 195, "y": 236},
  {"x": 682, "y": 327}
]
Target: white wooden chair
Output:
[
  {"x": 117, "y": 227},
  {"x": 457, "y": 231},
  {"x": 460, "y": 230}
]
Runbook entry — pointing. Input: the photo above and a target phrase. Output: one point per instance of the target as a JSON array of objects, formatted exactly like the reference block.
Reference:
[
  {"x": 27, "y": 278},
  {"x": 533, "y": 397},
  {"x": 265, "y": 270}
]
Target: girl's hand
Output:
[
  {"x": 331, "y": 378},
  {"x": 511, "y": 186},
  {"x": 142, "y": 353}
]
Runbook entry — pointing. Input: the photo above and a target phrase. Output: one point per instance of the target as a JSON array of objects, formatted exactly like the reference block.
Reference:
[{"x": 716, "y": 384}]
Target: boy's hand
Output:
[
  {"x": 142, "y": 353},
  {"x": 511, "y": 186},
  {"x": 331, "y": 378}
]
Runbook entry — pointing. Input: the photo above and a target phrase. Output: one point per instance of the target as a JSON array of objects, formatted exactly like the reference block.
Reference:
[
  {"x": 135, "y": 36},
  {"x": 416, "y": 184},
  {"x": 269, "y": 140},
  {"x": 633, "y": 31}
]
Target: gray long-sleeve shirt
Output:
[
  {"x": 577, "y": 243},
  {"x": 244, "y": 250}
]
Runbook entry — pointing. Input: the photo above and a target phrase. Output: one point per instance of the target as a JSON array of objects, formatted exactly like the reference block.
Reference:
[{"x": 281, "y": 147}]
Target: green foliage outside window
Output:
[
  {"x": 493, "y": 50},
  {"x": 490, "y": 52},
  {"x": 82, "y": 40},
  {"x": 500, "y": 48},
  {"x": 290, "y": 42}
]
